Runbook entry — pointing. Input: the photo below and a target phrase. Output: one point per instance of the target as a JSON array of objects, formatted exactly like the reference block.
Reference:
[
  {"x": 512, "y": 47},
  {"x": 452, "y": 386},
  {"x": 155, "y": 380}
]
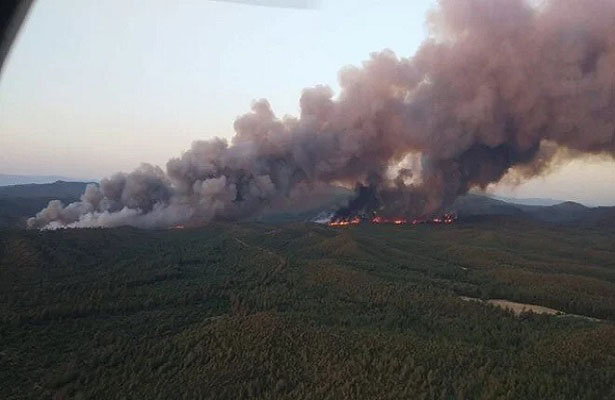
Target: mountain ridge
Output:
[{"x": 17, "y": 179}]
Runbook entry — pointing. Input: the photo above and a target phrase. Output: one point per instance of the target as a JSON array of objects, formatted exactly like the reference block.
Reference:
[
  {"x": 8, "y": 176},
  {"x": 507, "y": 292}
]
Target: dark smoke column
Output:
[{"x": 498, "y": 84}]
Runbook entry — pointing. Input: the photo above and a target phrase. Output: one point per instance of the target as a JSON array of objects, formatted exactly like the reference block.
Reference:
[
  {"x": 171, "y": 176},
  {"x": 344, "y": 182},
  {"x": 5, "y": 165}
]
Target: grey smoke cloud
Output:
[{"x": 498, "y": 84}]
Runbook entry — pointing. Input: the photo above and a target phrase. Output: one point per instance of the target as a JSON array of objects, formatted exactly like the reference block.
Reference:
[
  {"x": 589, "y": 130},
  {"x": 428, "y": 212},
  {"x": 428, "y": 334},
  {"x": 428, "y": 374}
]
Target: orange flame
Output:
[{"x": 447, "y": 218}]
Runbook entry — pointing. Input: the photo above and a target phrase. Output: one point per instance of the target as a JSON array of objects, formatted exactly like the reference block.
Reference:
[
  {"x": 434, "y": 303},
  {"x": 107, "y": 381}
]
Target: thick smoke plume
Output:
[{"x": 497, "y": 84}]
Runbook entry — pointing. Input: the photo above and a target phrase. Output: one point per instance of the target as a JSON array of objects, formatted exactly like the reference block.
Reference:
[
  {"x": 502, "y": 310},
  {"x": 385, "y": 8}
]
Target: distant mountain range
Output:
[
  {"x": 534, "y": 201},
  {"x": 8, "y": 179},
  {"x": 567, "y": 212}
]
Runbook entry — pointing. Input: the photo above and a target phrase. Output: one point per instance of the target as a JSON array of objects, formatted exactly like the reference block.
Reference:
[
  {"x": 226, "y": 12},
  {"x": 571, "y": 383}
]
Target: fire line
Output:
[{"x": 447, "y": 218}]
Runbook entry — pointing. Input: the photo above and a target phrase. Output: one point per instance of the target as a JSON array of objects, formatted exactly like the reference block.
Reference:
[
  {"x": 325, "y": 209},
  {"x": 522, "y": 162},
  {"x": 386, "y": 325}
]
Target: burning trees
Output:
[{"x": 446, "y": 219}]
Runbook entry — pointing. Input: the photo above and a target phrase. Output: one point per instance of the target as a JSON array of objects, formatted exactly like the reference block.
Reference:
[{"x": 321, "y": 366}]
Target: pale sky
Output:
[{"x": 95, "y": 87}]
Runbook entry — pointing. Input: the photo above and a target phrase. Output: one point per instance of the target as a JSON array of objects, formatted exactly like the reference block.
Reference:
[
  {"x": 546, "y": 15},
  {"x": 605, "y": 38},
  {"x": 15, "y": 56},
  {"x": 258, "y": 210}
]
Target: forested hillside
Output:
[
  {"x": 58, "y": 190},
  {"x": 306, "y": 311},
  {"x": 18, "y": 202}
]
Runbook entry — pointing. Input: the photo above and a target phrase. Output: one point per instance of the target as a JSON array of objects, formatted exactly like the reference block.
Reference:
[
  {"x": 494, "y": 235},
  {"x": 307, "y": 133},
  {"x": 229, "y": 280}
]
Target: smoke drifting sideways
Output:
[{"x": 498, "y": 84}]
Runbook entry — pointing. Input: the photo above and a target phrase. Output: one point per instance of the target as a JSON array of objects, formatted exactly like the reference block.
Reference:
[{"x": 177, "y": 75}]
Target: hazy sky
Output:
[{"x": 94, "y": 87}]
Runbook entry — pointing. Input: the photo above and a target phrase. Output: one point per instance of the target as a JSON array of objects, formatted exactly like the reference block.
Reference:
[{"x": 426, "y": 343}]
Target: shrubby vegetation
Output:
[{"x": 306, "y": 311}]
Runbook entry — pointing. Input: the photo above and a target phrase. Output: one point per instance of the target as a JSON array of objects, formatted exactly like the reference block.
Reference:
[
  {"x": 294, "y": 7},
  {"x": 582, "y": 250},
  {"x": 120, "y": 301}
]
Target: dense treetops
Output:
[{"x": 306, "y": 311}]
